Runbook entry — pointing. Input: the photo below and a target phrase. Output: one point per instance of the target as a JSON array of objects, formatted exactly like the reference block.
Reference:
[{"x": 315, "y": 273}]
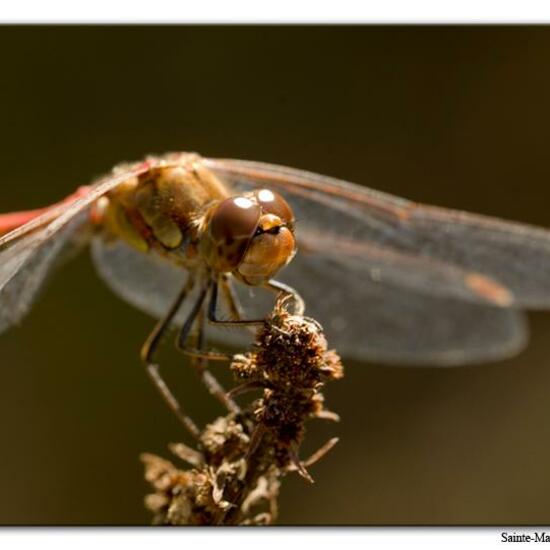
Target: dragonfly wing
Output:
[
  {"x": 146, "y": 281},
  {"x": 501, "y": 262},
  {"x": 376, "y": 322},
  {"x": 26, "y": 264}
]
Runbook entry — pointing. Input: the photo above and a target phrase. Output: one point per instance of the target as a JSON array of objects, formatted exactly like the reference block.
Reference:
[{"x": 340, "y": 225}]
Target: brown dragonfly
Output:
[{"x": 390, "y": 280}]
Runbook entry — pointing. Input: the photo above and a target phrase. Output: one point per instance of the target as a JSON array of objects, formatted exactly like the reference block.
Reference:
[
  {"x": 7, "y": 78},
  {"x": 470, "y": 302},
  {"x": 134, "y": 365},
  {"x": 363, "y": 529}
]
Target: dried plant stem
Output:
[{"x": 236, "y": 472}]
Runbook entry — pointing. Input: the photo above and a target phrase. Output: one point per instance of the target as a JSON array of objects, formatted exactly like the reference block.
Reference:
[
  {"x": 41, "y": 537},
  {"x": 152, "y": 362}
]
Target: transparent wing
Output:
[
  {"x": 468, "y": 256},
  {"x": 395, "y": 325},
  {"x": 381, "y": 321},
  {"x": 146, "y": 281},
  {"x": 28, "y": 253},
  {"x": 25, "y": 265},
  {"x": 150, "y": 283}
]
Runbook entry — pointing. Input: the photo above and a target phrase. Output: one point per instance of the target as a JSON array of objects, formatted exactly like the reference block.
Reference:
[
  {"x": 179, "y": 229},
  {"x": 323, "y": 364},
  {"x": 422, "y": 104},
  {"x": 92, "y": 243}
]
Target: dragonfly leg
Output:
[
  {"x": 234, "y": 306},
  {"x": 153, "y": 340},
  {"x": 232, "y": 300},
  {"x": 213, "y": 304},
  {"x": 147, "y": 355},
  {"x": 207, "y": 378},
  {"x": 231, "y": 297},
  {"x": 187, "y": 328},
  {"x": 191, "y": 338}
]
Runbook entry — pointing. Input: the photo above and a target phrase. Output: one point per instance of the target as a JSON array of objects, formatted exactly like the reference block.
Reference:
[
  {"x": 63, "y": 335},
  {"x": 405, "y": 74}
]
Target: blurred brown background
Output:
[{"x": 456, "y": 116}]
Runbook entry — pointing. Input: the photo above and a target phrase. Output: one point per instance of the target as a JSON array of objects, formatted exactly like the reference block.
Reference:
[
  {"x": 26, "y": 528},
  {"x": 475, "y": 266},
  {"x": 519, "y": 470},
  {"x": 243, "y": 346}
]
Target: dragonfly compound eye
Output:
[
  {"x": 273, "y": 203},
  {"x": 231, "y": 227}
]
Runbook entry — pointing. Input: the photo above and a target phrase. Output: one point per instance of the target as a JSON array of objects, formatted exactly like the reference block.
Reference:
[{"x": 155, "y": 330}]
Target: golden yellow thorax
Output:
[{"x": 162, "y": 209}]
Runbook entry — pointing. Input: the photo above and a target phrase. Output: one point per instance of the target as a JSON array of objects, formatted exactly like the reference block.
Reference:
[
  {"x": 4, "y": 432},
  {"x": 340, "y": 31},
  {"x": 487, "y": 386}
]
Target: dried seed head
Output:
[
  {"x": 235, "y": 478},
  {"x": 290, "y": 350},
  {"x": 224, "y": 439},
  {"x": 181, "y": 497},
  {"x": 244, "y": 367},
  {"x": 291, "y": 361}
]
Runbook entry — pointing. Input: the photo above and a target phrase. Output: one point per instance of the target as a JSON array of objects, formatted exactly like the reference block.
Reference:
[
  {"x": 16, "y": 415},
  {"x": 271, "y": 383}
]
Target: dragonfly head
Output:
[{"x": 250, "y": 235}]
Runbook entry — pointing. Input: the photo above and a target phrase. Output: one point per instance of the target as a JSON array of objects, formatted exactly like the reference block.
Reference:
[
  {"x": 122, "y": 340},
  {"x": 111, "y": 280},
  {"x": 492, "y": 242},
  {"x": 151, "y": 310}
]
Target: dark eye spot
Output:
[
  {"x": 234, "y": 218},
  {"x": 274, "y": 230},
  {"x": 232, "y": 225},
  {"x": 273, "y": 203}
]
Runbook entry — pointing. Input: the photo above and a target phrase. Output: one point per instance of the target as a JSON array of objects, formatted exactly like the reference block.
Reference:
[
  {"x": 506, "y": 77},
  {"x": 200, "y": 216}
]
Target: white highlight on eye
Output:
[
  {"x": 243, "y": 202},
  {"x": 265, "y": 195},
  {"x": 101, "y": 204}
]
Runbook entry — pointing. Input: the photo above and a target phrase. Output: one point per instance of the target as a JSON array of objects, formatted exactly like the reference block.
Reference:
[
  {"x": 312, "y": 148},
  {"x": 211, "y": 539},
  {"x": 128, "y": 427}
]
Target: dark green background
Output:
[{"x": 453, "y": 116}]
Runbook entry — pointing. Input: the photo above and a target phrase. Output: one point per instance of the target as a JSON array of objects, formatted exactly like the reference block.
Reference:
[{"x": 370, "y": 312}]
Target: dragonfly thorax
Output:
[{"x": 160, "y": 211}]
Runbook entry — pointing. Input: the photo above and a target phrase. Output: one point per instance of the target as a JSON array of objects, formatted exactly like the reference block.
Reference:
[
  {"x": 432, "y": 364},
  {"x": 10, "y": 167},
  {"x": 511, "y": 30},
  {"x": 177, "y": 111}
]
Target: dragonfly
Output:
[{"x": 198, "y": 241}]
